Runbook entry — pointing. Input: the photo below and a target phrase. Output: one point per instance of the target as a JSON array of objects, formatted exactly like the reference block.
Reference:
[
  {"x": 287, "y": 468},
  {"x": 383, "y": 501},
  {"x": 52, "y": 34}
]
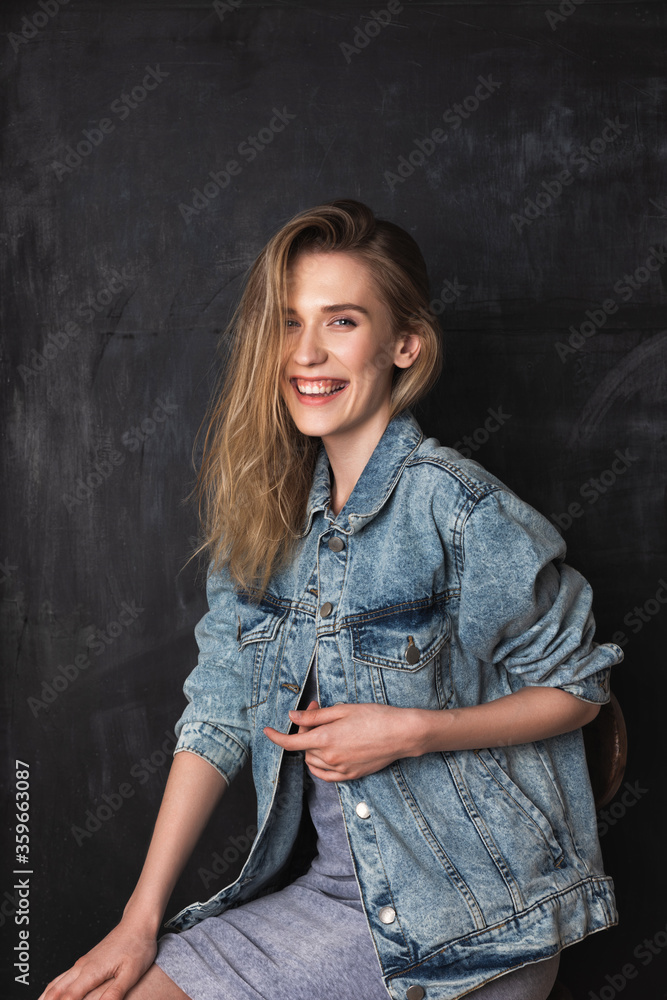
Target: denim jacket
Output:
[{"x": 433, "y": 587}]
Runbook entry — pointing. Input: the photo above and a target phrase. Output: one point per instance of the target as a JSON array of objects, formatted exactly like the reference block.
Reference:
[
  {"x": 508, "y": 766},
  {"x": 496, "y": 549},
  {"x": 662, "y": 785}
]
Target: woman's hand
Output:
[
  {"x": 351, "y": 740},
  {"x": 109, "y": 969}
]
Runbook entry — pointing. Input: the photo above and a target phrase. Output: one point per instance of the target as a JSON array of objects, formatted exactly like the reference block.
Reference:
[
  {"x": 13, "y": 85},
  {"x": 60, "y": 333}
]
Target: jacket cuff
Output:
[
  {"x": 214, "y": 745},
  {"x": 596, "y": 687}
]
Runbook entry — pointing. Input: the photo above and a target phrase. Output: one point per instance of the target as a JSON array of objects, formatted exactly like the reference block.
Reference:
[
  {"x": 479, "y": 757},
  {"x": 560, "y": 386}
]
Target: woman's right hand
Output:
[{"x": 109, "y": 969}]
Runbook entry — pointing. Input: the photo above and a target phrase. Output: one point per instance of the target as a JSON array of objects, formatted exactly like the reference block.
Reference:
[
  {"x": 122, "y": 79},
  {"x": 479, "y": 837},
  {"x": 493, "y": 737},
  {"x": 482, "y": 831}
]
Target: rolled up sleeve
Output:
[
  {"x": 214, "y": 724},
  {"x": 522, "y": 608}
]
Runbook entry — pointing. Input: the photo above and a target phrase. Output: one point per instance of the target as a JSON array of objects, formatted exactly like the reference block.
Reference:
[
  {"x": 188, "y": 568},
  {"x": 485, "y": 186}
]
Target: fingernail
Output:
[{"x": 294, "y": 714}]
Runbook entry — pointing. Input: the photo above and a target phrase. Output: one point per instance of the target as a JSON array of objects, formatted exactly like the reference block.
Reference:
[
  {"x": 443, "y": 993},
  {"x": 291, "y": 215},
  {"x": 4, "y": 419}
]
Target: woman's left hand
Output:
[{"x": 350, "y": 740}]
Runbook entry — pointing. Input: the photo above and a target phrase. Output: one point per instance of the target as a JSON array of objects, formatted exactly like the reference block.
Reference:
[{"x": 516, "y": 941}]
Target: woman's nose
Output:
[{"x": 309, "y": 348}]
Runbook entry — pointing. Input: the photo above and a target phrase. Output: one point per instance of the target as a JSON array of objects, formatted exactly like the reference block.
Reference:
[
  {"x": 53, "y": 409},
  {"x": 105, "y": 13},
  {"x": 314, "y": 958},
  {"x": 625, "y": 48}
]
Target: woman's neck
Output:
[{"x": 348, "y": 456}]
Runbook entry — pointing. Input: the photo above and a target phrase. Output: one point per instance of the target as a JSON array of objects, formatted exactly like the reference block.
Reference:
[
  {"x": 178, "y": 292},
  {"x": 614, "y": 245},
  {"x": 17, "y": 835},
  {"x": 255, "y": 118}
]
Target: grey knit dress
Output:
[{"x": 310, "y": 940}]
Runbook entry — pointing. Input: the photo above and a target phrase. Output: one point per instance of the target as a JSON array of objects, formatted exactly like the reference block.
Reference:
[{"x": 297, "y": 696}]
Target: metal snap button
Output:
[
  {"x": 411, "y": 653},
  {"x": 336, "y": 543},
  {"x": 362, "y": 810},
  {"x": 415, "y": 992},
  {"x": 326, "y": 609},
  {"x": 387, "y": 914}
]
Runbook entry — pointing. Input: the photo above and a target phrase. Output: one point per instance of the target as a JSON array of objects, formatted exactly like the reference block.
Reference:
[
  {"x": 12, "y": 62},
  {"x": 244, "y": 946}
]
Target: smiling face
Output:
[{"x": 340, "y": 350}]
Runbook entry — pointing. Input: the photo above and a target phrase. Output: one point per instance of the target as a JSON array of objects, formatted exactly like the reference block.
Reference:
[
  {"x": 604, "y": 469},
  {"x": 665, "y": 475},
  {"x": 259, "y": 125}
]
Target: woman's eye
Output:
[{"x": 293, "y": 324}]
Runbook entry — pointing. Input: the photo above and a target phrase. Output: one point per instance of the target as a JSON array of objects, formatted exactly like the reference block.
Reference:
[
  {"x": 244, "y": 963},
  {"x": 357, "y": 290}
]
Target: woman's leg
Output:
[
  {"x": 153, "y": 985},
  {"x": 156, "y": 985}
]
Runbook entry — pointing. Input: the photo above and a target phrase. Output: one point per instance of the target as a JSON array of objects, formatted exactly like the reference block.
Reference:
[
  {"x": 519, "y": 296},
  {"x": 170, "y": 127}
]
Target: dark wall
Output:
[{"x": 541, "y": 212}]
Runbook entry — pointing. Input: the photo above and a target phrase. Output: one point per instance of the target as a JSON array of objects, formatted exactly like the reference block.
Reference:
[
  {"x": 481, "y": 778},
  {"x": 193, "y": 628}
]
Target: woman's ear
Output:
[{"x": 407, "y": 348}]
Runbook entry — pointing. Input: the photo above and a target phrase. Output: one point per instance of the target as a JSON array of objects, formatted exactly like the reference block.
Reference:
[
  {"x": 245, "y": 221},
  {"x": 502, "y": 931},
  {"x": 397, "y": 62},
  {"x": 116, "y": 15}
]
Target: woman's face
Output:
[{"x": 340, "y": 352}]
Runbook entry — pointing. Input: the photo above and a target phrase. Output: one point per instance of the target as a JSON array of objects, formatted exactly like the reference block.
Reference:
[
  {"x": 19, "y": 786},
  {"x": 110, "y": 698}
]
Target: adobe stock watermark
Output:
[
  {"x": 565, "y": 9},
  {"x": 610, "y": 816},
  {"x": 56, "y": 342},
  {"x": 644, "y": 952},
  {"x": 473, "y": 442},
  {"x": 221, "y": 861},
  {"x": 641, "y": 614},
  {"x": 132, "y": 439},
  {"x": 111, "y": 803},
  {"x": 595, "y": 487},
  {"x": 33, "y": 24},
  {"x": 624, "y": 288},
  {"x": 371, "y": 29},
  {"x": 98, "y": 641},
  {"x": 236, "y": 845},
  {"x": 451, "y": 290},
  {"x": 553, "y": 188},
  {"x": 8, "y": 907},
  {"x": 93, "y": 137},
  {"x": 454, "y": 117},
  {"x": 249, "y": 148}
]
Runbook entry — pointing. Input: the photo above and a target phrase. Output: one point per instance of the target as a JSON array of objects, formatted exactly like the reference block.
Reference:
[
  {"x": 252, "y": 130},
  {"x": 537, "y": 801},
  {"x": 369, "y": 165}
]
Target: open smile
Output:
[{"x": 318, "y": 391}]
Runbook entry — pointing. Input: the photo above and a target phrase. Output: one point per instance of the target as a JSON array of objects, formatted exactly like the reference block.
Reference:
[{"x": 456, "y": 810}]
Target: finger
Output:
[
  {"x": 296, "y": 741},
  {"x": 54, "y": 982},
  {"x": 327, "y": 775},
  {"x": 49, "y": 985},
  {"x": 317, "y": 716},
  {"x": 99, "y": 991},
  {"x": 306, "y": 729},
  {"x": 87, "y": 982},
  {"x": 114, "y": 989}
]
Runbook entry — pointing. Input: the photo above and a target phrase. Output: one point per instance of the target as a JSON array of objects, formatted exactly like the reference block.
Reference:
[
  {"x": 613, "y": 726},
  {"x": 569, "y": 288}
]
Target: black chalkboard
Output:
[{"x": 150, "y": 149}]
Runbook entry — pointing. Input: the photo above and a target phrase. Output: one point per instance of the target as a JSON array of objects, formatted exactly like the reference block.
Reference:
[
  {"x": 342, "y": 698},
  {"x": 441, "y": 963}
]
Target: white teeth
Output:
[{"x": 324, "y": 387}]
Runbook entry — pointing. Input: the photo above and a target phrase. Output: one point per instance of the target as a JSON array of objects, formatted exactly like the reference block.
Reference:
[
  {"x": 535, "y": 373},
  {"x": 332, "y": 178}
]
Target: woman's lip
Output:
[{"x": 316, "y": 400}]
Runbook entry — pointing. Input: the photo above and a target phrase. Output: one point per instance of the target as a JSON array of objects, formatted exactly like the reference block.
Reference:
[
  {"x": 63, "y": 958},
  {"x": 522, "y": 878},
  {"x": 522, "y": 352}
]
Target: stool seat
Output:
[{"x": 606, "y": 743}]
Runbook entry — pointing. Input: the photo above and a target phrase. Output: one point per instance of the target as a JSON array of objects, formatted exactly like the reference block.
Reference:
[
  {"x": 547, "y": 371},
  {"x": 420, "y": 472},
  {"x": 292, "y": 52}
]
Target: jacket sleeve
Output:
[
  {"x": 214, "y": 724},
  {"x": 523, "y": 608}
]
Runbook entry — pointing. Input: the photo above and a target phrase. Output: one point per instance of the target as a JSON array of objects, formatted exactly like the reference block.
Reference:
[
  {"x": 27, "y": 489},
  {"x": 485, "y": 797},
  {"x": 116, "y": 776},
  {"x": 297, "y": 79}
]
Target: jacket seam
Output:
[
  {"x": 478, "y": 487},
  {"x": 424, "y": 602}
]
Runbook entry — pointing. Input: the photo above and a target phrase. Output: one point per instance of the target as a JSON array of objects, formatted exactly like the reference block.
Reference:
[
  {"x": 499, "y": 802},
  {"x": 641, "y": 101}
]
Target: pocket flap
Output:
[
  {"x": 258, "y": 622},
  {"x": 402, "y": 640}
]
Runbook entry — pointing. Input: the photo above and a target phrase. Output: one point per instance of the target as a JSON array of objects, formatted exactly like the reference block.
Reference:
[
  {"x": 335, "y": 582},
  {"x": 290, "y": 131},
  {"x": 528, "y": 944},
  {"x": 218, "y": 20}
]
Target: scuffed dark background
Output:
[{"x": 104, "y": 244}]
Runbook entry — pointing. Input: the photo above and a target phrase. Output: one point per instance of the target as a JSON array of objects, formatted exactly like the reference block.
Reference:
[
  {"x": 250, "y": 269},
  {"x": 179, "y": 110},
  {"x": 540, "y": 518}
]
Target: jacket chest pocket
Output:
[
  {"x": 260, "y": 638},
  {"x": 408, "y": 653}
]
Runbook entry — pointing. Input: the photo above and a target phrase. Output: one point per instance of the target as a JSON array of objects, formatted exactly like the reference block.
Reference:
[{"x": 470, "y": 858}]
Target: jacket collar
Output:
[{"x": 378, "y": 478}]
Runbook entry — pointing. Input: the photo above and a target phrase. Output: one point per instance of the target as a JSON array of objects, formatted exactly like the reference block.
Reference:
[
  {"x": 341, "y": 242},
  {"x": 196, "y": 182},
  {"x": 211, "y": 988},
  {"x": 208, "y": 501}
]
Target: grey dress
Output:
[{"x": 310, "y": 940}]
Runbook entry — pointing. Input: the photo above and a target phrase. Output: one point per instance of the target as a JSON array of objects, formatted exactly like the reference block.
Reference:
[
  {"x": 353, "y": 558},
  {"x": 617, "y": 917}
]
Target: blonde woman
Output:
[{"x": 396, "y": 648}]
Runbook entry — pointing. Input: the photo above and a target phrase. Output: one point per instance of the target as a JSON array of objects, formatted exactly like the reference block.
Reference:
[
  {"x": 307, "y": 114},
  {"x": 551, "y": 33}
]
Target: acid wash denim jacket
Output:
[{"x": 433, "y": 587}]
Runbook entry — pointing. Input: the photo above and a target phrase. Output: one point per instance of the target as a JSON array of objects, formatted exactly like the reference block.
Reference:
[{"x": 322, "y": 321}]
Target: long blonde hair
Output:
[{"x": 257, "y": 467}]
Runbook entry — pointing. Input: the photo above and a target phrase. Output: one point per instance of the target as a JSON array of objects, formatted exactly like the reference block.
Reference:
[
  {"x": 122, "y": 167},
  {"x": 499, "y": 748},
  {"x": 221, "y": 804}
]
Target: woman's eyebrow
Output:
[{"x": 335, "y": 308}]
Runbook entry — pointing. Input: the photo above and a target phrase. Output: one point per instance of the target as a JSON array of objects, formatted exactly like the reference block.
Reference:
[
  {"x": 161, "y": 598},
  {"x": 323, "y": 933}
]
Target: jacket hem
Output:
[{"x": 539, "y": 932}]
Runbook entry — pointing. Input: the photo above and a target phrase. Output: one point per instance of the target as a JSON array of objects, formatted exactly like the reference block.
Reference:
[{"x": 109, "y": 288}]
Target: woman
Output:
[{"x": 372, "y": 578}]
